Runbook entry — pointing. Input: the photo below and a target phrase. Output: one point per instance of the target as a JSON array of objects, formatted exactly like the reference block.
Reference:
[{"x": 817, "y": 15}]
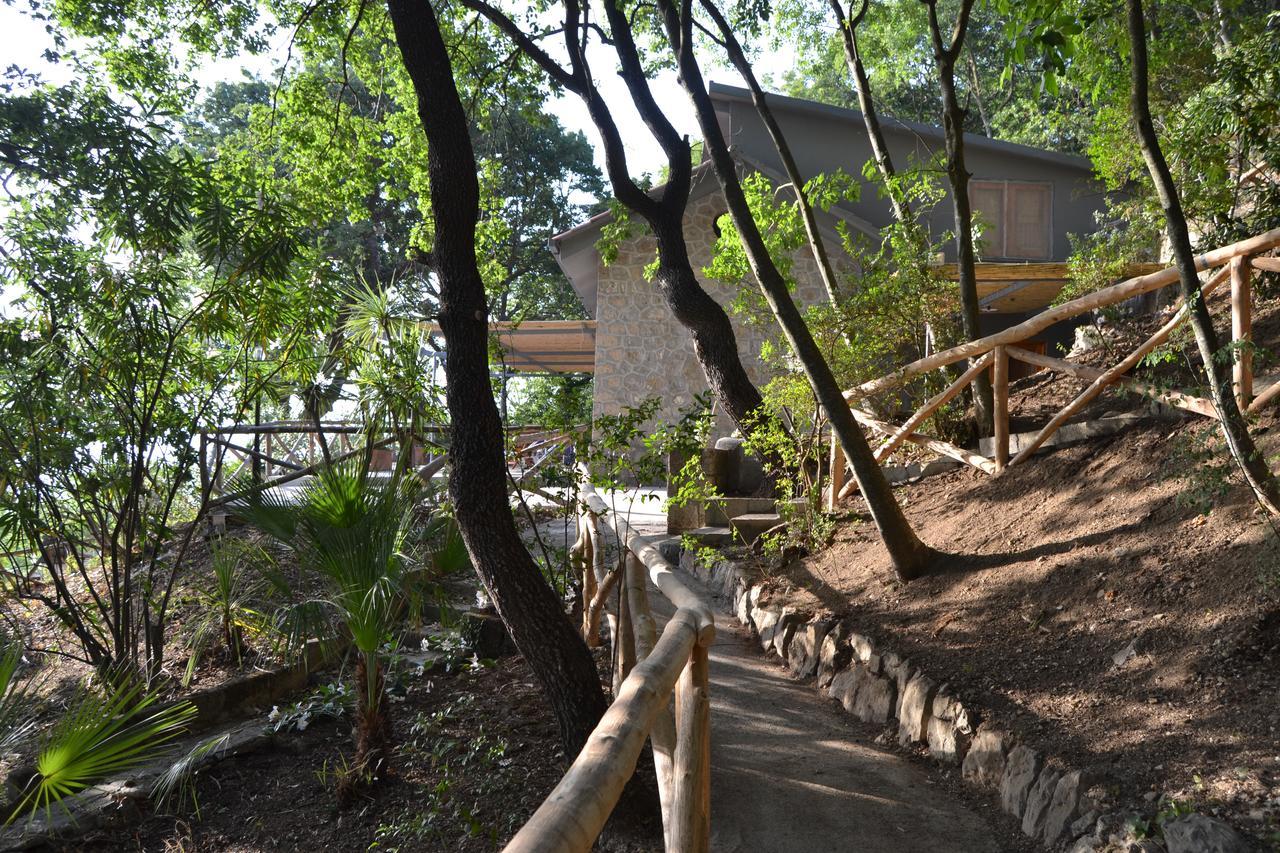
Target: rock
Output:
[
  {"x": 835, "y": 654},
  {"x": 1083, "y": 825},
  {"x": 1020, "y": 772},
  {"x": 765, "y": 620},
  {"x": 742, "y": 605},
  {"x": 785, "y": 631},
  {"x": 1064, "y": 807},
  {"x": 1039, "y": 798},
  {"x": 901, "y": 671},
  {"x": 806, "y": 647},
  {"x": 1123, "y": 656},
  {"x": 984, "y": 762},
  {"x": 875, "y": 699},
  {"x": 863, "y": 647},
  {"x": 916, "y": 707},
  {"x": 1197, "y": 833},
  {"x": 844, "y": 684},
  {"x": 948, "y": 729}
]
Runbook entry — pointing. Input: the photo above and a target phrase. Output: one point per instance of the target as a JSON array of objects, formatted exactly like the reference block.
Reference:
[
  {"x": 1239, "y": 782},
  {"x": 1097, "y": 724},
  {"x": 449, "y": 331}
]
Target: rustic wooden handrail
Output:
[
  {"x": 994, "y": 351},
  {"x": 674, "y": 663},
  {"x": 1032, "y": 326}
]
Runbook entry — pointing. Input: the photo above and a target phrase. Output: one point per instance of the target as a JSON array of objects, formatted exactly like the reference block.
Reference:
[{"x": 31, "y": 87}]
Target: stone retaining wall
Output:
[{"x": 1063, "y": 808}]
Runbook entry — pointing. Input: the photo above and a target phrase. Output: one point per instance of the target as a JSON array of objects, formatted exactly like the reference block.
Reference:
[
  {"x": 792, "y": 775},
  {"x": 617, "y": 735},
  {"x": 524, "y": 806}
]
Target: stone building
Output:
[{"x": 1032, "y": 199}]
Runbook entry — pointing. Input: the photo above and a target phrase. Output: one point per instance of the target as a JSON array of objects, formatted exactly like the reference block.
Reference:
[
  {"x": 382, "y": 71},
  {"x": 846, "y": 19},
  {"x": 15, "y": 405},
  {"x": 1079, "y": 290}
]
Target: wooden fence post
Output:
[
  {"x": 1242, "y": 330},
  {"x": 691, "y": 805},
  {"x": 1000, "y": 389},
  {"x": 663, "y": 733},
  {"x": 837, "y": 473}
]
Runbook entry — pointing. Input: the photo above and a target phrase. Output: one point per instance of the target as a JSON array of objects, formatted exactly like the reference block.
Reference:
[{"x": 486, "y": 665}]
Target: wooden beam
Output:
[
  {"x": 1000, "y": 393},
  {"x": 1241, "y": 332},
  {"x": 1270, "y": 386},
  {"x": 1099, "y": 299},
  {"x": 935, "y": 403},
  {"x": 937, "y": 445},
  {"x": 1049, "y": 271},
  {"x": 573, "y": 814},
  {"x": 1268, "y": 264}
]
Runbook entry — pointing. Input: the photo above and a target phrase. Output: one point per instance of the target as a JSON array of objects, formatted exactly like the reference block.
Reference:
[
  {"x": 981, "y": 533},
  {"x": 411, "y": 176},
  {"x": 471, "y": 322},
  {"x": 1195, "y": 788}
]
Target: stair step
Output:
[
  {"x": 714, "y": 537},
  {"x": 748, "y": 527},
  {"x": 721, "y": 510}
]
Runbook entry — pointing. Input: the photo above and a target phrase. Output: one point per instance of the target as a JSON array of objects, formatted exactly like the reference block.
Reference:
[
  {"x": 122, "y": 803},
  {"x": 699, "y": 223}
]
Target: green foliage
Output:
[
  {"x": 477, "y": 757},
  {"x": 16, "y": 703},
  {"x": 178, "y": 782},
  {"x": 329, "y": 702},
  {"x": 557, "y": 401},
  {"x": 225, "y": 611},
  {"x": 100, "y": 734}
]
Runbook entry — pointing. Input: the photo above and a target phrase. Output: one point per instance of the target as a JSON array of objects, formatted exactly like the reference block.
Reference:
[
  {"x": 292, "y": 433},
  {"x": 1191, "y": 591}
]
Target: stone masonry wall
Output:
[{"x": 643, "y": 351}]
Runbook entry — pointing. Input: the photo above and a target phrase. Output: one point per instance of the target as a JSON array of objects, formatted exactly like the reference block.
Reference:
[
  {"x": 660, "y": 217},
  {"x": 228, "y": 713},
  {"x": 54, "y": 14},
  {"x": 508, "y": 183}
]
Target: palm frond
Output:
[
  {"x": 101, "y": 734},
  {"x": 178, "y": 780}
]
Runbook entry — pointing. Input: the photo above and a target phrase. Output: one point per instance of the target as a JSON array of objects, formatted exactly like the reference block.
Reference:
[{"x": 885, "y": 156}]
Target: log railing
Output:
[
  {"x": 1232, "y": 264},
  {"x": 652, "y": 668}
]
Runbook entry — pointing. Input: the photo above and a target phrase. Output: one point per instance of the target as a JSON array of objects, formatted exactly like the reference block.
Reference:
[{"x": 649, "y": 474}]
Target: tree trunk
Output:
[
  {"x": 1234, "y": 429},
  {"x": 910, "y": 556},
  {"x": 477, "y": 481},
  {"x": 953, "y": 127},
  {"x": 870, "y": 118}
]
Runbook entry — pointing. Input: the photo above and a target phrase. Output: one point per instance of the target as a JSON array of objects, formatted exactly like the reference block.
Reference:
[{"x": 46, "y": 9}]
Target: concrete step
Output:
[
  {"x": 719, "y": 511},
  {"x": 712, "y": 537},
  {"x": 748, "y": 527}
]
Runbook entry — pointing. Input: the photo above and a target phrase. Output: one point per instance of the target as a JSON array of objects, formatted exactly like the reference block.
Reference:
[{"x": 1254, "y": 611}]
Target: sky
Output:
[{"x": 22, "y": 42}]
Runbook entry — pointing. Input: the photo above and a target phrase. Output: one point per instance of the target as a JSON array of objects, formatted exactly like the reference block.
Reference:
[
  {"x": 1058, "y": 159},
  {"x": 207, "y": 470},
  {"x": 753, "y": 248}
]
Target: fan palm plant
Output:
[{"x": 351, "y": 530}]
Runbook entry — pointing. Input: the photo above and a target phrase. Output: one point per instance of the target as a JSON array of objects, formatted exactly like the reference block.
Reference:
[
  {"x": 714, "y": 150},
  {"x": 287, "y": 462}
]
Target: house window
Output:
[{"x": 1017, "y": 217}]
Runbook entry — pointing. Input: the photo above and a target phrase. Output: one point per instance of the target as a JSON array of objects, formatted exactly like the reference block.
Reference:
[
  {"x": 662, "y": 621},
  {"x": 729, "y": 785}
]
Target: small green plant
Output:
[
  {"x": 1198, "y": 458},
  {"x": 178, "y": 783},
  {"x": 226, "y": 614},
  {"x": 329, "y": 702}
]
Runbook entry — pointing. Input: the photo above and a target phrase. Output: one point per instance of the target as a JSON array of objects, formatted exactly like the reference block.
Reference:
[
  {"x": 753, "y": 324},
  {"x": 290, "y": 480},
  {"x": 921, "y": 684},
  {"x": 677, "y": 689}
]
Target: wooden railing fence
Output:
[
  {"x": 652, "y": 668},
  {"x": 1233, "y": 263}
]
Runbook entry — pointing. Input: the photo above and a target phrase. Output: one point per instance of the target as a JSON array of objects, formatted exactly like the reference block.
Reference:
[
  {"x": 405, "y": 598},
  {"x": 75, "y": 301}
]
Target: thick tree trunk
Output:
[
  {"x": 1234, "y": 429},
  {"x": 477, "y": 481},
  {"x": 953, "y": 115},
  {"x": 910, "y": 556}
]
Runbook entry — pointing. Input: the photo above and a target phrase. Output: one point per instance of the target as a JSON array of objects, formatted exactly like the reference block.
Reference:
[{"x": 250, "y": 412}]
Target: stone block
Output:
[
  {"x": 863, "y": 647},
  {"x": 1039, "y": 798},
  {"x": 742, "y": 607},
  {"x": 785, "y": 632},
  {"x": 985, "y": 761},
  {"x": 750, "y": 526},
  {"x": 915, "y": 709},
  {"x": 949, "y": 728},
  {"x": 1199, "y": 834},
  {"x": 806, "y": 647},
  {"x": 875, "y": 698},
  {"x": 1020, "y": 772},
  {"x": 835, "y": 654},
  {"x": 765, "y": 620},
  {"x": 1065, "y": 806},
  {"x": 844, "y": 686}
]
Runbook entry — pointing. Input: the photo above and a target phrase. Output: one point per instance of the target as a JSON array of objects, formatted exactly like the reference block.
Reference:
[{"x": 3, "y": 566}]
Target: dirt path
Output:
[{"x": 788, "y": 774}]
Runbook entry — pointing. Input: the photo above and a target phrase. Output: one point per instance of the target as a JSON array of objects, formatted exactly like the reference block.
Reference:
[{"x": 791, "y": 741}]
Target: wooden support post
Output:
[
  {"x": 905, "y": 432},
  {"x": 1000, "y": 390},
  {"x": 592, "y": 637},
  {"x": 691, "y": 805},
  {"x": 1242, "y": 331},
  {"x": 624, "y": 638},
  {"x": 204, "y": 465},
  {"x": 837, "y": 473},
  {"x": 1114, "y": 374},
  {"x": 663, "y": 734}
]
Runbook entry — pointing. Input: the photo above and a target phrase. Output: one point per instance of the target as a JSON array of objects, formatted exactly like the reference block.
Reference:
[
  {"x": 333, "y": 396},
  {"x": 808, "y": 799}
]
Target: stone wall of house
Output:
[{"x": 643, "y": 351}]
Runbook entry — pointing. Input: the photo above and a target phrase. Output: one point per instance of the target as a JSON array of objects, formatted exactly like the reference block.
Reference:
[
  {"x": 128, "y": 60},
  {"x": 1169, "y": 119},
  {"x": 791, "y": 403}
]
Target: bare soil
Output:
[
  {"x": 476, "y": 752},
  {"x": 1098, "y": 600}
]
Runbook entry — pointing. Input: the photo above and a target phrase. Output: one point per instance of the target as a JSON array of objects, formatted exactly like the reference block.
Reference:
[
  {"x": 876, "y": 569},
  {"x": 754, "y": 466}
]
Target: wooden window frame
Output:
[{"x": 1006, "y": 215}]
